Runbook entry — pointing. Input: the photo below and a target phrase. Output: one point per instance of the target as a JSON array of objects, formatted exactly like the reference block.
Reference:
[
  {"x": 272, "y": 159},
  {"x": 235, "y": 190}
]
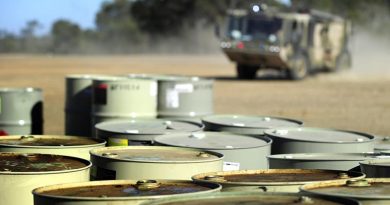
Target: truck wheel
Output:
[
  {"x": 246, "y": 71},
  {"x": 344, "y": 61},
  {"x": 299, "y": 67}
]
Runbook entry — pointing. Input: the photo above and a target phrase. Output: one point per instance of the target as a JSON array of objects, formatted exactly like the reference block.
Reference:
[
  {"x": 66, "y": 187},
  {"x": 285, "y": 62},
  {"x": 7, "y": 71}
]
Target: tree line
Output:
[{"x": 128, "y": 26}]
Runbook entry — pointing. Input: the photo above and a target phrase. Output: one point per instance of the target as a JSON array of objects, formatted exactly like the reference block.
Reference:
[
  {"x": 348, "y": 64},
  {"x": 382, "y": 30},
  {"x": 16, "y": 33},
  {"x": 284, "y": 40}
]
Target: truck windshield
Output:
[
  {"x": 262, "y": 27},
  {"x": 235, "y": 26},
  {"x": 253, "y": 27}
]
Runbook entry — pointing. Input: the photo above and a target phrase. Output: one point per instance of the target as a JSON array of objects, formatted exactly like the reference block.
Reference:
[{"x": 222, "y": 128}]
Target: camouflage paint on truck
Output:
[{"x": 295, "y": 42}]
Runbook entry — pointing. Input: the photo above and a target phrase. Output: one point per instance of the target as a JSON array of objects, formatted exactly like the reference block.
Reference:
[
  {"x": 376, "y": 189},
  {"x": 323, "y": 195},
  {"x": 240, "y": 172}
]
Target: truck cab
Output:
[{"x": 293, "y": 42}]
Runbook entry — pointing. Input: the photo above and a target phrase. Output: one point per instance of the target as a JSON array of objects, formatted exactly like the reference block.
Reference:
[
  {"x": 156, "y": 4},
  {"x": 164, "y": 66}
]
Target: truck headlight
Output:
[
  {"x": 274, "y": 49},
  {"x": 226, "y": 44}
]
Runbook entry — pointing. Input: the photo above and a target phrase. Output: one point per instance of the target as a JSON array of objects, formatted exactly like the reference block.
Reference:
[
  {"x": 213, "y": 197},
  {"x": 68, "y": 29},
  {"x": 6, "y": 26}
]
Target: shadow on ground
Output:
[
  {"x": 263, "y": 75},
  {"x": 269, "y": 75}
]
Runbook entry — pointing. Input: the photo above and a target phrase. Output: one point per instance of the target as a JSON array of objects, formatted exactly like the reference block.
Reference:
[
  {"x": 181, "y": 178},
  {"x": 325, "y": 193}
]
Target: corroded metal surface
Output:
[
  {"x": 120, "y": 191},
  {"x": 273, "y": 180},
  {"x": 239, "y": 198},
  {"x": 16, "y": 162},
  {"x": 47, "y": 140},
  {"x": 143, "y": 162}
]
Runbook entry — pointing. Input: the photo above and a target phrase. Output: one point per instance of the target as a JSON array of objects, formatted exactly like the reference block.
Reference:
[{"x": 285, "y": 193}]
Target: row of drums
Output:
[
  {"x": 187, "y": 162},
  {"x": 91, "y": 99},
  {"x": 21, "y": 111},
  {"x": 58, "y": 179}
]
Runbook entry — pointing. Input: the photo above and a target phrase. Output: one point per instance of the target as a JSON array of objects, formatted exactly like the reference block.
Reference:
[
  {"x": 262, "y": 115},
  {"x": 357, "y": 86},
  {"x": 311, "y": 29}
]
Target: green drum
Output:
[
  {"x": 123, "y": 98},
  {"x": 182, "y": 96},
  {"x": 21, "y": 111},
  {"x": 318, "y": 140},
  {"x": 241, "y": 151},
  {"x": 78, "y": 104},
  {"x": 185, "y": 96}
]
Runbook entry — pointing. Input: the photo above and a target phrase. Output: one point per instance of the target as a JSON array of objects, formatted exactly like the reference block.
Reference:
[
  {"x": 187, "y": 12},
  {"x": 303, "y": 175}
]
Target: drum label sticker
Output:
[
  {"x": 231, "y": 166},
  {"x": 125, "y": 87},
  {"x": 172, "y": 99},
  {"x": 184, "y": 88},
  {"x": 153, "y": 89}
]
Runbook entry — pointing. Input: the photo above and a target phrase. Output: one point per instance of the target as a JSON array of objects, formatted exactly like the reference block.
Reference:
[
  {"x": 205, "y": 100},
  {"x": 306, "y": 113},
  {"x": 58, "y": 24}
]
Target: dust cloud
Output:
[
  {"x": 191, "y": 41},
  {"x": 370, "y": 53},
  {"x": 370, "y": 45},
  {"x": 195, "y": 39},
  {"x": 199, "y": 39}
]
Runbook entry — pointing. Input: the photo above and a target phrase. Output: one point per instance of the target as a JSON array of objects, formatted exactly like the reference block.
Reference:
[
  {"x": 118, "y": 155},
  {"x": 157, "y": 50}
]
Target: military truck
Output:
[{"x": 294, "y": 42}]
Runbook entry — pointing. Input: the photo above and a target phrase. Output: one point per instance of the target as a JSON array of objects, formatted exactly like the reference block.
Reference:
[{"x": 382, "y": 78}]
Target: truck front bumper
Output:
[{"x": 264, "y": 59}]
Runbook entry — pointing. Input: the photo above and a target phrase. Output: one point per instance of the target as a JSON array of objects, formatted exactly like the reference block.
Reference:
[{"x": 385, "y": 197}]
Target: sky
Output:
[{"x": 15, "y": 13}]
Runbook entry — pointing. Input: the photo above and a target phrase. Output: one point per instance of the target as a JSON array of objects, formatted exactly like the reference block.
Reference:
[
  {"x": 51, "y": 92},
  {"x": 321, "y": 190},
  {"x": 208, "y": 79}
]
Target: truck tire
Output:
[
  {"x": 299, "y": 67},
  {"x": 344, "y": 61},
  {"x": 246, "y": 71}
]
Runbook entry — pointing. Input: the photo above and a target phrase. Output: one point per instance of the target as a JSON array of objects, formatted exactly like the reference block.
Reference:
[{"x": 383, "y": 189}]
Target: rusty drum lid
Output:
[
  {"x": 276, "y": 176},
  {"x": 369, "y": 188},
  {"x": 106, "y": 190},
  {"x": 48, "y": 141},
  {"x": 156, "y": 154},
  {"x": 239, "y": 198},
  {"x": 13, "y": 163}
]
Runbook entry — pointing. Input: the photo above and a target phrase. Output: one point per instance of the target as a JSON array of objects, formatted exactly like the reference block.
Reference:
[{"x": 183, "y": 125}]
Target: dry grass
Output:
[{"x": 346, "y": 101}]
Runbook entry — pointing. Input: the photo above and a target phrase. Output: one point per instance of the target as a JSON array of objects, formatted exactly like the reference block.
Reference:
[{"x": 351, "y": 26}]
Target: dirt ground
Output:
[{"x": 351, "y": 100}]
